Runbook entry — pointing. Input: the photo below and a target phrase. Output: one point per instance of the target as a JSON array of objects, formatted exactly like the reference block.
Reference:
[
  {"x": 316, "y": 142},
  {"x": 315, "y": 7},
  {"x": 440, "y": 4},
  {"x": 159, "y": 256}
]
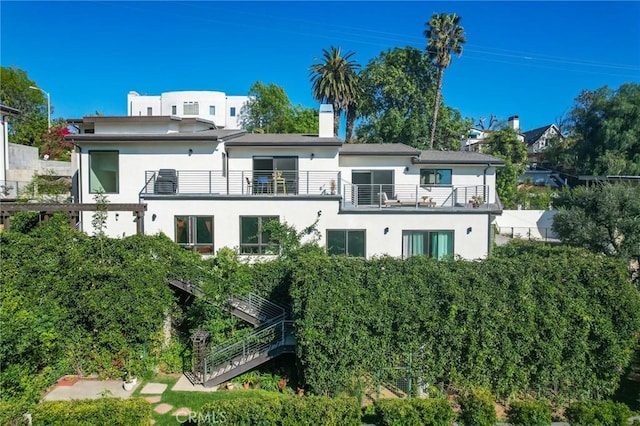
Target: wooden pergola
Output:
[{"x": 46, "y": 210}]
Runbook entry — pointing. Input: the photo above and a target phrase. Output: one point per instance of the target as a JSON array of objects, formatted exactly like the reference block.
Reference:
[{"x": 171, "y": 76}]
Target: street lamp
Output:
[{"x": 48, "y": 105}]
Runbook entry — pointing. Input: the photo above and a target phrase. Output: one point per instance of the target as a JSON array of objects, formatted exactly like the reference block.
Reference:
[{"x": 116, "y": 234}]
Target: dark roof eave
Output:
[
  {"x": 379, "y": 153},
  {"x": 301, "y": 144},
  {"x": 472, "y": 162},
  {"x": 140, "y": 138}
]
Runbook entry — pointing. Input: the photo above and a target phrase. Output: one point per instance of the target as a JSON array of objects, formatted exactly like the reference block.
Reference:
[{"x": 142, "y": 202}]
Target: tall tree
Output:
[
  {"x": 444, "y": 37},
  {"x": 398, "y": 88},
  {"x": 269, "y": 110},
  {"x": 30, "y": 126},
  {"x": 334, "y": 80},
  {"x": 606, "y": 126},
  {"x": 504, "y": 143}
]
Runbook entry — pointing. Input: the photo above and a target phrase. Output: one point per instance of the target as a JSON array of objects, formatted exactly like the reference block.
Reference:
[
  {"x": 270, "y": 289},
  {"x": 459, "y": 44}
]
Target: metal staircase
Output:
[
  {"x": 265, "y": 343},
  {"x": 272, "y": 337}
]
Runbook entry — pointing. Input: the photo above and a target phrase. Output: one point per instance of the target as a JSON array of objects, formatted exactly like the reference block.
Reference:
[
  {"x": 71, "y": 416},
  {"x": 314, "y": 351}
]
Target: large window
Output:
[
  {"x": 190, "y": 108},
  {"x": 265, "y": 169},
  {"x": 371, "y": 184},
  {"x": 346, "y": 242},
  {"x": 430, "y": 177},
  {"x": 195, "y": 232},
  {"x": 253, "y": 237},
  {"x": 436, "y": 244},
  {"x": 103, "y": 172}
]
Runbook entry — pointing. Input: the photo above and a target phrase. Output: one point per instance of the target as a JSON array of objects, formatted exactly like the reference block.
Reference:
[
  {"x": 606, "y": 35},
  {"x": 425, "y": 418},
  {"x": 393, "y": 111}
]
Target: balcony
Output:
[
  {"x": 249, "y": 183},
  {"x": 406, "y": 197}
]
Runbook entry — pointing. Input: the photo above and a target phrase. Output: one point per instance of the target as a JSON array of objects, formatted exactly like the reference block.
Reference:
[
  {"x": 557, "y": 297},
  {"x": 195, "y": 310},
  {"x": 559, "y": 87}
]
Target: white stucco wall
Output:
[
  {"x": 470, "y": 230},
  {"x": 136, "y": 158},
  {"x": 526, "y": 224}
]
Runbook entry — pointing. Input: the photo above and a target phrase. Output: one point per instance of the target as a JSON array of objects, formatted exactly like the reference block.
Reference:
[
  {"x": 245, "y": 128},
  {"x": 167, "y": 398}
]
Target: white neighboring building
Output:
[
  {"x": 207, "y": 188},
  {"x": 217, "y": 107}
]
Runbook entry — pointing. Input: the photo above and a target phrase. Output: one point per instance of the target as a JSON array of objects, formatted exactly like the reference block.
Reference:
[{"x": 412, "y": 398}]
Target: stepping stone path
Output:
[
  {"x": 163, "y": 408},
  {"x": 156, "y": 390}
]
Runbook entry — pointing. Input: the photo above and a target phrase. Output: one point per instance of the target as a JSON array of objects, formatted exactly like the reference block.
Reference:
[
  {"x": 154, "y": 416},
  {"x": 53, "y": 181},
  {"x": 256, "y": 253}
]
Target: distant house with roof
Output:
[{"x": 538, "y": 140}]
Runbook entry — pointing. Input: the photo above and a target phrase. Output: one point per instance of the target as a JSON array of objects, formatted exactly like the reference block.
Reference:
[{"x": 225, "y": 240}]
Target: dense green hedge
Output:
[
  {"x": 414, "y": 412},
  {"x": 93, "y": 412},
  {"x": 602, "y": 413},
  {"x": 477, "y": 408},
  {"x": 530, "y": 413},
  {"x": 71, "y": 303},
  {"x": 293, "y": 411},
  {"x": 555, "y": 320}
]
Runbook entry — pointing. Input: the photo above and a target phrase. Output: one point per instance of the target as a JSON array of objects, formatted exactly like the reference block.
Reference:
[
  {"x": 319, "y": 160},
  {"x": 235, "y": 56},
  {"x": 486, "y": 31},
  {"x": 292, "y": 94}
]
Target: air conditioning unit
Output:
[{"x": 166, "y": 181}]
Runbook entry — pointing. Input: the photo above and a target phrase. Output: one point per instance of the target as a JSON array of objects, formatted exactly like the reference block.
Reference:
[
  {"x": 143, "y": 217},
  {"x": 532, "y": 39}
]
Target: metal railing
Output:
[
  {"x": 228, "y": 357},
  {"x": 242, "y": 182},
  {"x": 258, "y": 307},
  {"x": 417, "y": 196}
]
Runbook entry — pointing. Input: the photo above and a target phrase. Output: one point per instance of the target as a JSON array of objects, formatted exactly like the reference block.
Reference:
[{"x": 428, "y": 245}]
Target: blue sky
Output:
[{"x": 526, "y": 58}]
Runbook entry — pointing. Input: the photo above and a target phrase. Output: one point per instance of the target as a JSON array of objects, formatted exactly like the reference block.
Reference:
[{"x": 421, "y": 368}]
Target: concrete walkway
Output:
[
  {"x": 89, "y": 389},
  {"x": 183, "y": 384}
]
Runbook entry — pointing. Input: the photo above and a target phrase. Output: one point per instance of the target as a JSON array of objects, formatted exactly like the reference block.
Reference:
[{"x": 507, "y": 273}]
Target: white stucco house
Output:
[
  {"x": 217, "y": 107},
  {"x": 207, "y": 188}
]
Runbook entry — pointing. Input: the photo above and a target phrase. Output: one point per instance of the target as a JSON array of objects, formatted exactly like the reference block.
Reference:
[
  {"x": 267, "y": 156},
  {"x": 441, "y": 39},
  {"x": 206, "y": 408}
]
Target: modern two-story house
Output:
[{"x": 208, "y": 188}]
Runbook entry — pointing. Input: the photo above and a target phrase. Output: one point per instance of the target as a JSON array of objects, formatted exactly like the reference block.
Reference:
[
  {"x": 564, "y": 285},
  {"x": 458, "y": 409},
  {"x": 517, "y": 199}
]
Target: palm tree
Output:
[
  {"x": 444, "y": 36},
  {"x": 335, "y": 81}
]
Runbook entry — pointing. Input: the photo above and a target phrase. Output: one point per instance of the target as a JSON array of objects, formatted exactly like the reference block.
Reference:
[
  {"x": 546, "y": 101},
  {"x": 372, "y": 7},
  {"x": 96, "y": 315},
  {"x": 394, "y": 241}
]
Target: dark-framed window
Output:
[
  {"x": 104, "y": 172},
  {"x": 372, "y": 183},
  {"x": 438, "y": 244},
  {"x": 232, "y": 111},
  {"x": 194, "y": 232},
  {"x": 347, "y": 242},
  {"x": 265, "y": 168},
  {"x": 253, "y": 237},
  {"x": 431, "y": 177},
  {"x": 174, "y": 110}
]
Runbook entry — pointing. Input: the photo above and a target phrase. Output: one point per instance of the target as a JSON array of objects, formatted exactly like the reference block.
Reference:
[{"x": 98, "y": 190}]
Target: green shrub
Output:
[
  {"x": 602, "y": 413},
  {"x": 529, "y": 413},
  {"x": 290, "y": 411},
  {"x": 12, "y": 413},
  {"x": 90, "y": 412},
  {"x": 477, "y": 408},
  {"x": 428, "y": 412},
  {"x": 242, "y": 412}
]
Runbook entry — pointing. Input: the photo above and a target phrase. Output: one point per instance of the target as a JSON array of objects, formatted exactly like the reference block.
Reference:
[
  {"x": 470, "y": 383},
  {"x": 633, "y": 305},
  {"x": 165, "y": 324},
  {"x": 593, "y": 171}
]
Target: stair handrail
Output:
[
  {"x": 265, "y": 308},
  {"x": 256, "y": 342}
]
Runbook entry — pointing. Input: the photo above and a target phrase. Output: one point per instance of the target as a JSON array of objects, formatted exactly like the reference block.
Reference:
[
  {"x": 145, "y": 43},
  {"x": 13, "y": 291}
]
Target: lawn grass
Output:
[{"x": 194, "y": 400}]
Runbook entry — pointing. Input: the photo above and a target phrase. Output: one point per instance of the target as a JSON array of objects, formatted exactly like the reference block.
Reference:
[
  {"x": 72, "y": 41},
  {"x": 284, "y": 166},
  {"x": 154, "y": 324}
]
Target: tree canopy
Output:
[
  {"x": 396, "y": 106},
  {"x": 603, "y": 135},
  {"x": 504, "y": 143},
  {"x": 269, "y": 110},
  {"x": 30, "y": 126},
  {"x": 604, "y": 218}
]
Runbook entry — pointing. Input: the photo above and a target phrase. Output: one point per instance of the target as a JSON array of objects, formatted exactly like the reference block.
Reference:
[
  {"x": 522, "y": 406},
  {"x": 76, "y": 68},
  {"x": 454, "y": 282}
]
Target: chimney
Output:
[
  {"x": 326, "y": 121},
  {"x": 514, "y": 122}
]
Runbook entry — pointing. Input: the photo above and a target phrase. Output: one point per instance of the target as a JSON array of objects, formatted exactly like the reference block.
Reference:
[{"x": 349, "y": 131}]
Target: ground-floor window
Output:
[
  {"x": 346, "y": 242},
  {"x": 195, "y": 232},
  {"x": 436, "y": 244},
  {"x": 254, "y": 239}
]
